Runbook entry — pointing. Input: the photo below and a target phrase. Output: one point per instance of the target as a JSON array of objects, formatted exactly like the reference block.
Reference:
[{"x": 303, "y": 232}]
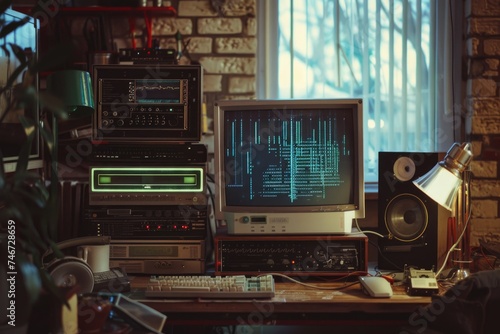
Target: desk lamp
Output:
[
  {"x": 73, "y": 98},
  {"x": 74, "y": 89},
  {"x": 447, "y": 183}
]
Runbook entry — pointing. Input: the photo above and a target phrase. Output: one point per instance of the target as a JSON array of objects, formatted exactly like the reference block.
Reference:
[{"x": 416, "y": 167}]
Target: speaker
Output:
[{"x": 414, "y": 224}]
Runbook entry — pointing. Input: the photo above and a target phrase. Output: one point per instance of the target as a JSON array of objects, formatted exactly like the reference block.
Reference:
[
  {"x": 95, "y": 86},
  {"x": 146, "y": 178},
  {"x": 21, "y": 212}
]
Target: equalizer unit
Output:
[{"x": 312, "y": 255}]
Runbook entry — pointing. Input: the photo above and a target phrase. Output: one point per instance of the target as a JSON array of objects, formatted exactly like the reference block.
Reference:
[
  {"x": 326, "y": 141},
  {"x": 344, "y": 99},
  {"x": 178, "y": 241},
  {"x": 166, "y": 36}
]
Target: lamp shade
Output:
[
  {"x": 74, "y": 89},
  {"x": 444, "y": 180}
]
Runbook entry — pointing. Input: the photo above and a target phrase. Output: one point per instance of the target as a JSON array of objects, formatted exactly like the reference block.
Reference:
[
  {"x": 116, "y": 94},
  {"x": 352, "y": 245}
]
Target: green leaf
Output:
[
  {"x": 53, "y": 104},
  {"x": 31, "y": 277},
  {"x": 2, "y": 172},
  {"x": 4, "y": 5}
]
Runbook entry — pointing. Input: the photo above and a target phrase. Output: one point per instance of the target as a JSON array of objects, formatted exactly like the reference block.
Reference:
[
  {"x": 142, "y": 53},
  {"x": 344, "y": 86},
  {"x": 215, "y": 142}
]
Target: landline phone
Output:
[{"x": 74, "y": 269}]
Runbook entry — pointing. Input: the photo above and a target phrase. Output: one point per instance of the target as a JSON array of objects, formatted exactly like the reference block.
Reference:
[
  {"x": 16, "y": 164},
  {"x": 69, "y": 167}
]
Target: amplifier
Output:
[
  {"x": 320, "y": 255},
  {"x": 148, "y": 103},
  {"x": 146, "y": 222},
  {"x": 158, "y": 257},
  {"x": 147, "y": 186},
  {"x": 151, "y": 153}
]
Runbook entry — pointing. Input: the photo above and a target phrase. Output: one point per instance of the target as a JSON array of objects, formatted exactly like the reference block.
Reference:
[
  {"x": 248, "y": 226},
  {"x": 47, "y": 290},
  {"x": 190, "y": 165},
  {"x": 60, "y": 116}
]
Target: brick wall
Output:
[
  {"x": 222, "y": 39},
  {"x": 482, "y": 62}
]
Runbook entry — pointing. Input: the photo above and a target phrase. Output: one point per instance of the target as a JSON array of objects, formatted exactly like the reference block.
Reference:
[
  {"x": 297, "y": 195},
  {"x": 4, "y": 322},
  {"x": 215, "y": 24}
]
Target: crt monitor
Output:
[{"x": 289, "y": 166}]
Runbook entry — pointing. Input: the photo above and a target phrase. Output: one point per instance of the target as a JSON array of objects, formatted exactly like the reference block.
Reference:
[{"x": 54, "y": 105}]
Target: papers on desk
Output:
[{"x": 141, "y": 315}]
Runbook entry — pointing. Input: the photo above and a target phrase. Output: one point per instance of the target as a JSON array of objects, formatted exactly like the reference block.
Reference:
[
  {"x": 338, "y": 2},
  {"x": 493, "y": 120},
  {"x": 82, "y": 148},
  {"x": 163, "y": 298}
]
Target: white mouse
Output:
[{"x": 375, "y": 286}]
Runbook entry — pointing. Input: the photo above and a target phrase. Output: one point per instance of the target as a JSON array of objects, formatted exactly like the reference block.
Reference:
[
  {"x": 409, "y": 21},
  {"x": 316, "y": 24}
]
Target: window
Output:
[{"x": 394, "y": 54}]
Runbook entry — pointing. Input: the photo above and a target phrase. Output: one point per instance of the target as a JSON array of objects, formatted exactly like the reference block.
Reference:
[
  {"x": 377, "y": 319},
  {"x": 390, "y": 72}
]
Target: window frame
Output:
[{"x": 450, "y": 125}]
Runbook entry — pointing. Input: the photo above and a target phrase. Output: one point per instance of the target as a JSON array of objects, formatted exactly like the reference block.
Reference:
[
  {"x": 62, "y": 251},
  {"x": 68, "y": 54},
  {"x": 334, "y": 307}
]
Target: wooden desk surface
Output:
[{"x": 292, "y": 299}]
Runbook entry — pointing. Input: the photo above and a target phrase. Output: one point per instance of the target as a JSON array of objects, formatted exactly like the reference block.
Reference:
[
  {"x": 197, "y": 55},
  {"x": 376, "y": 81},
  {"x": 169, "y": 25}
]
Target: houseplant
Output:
[{"x": 28, "y": 198}]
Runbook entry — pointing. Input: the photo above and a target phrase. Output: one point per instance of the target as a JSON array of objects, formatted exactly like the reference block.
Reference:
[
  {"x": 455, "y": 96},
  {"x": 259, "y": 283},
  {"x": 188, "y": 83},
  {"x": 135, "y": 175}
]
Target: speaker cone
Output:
[{"x": 406, "y": 217}]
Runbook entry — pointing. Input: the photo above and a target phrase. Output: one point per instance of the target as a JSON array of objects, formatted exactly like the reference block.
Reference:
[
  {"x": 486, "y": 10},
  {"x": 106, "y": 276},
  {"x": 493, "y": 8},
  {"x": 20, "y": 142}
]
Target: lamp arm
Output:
[
  {"x": 464, "y": 229},
  {"x": 452, "y": 248}
]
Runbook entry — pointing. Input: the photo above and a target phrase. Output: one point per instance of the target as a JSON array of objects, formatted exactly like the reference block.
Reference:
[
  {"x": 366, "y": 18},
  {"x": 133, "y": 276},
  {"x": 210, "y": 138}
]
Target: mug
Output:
[{"x": 96, "y": 256}]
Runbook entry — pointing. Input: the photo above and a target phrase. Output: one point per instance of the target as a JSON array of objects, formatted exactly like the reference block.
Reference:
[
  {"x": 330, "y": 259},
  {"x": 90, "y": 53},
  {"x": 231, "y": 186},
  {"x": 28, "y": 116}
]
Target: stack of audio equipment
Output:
[{"x": 147, "y": 187}]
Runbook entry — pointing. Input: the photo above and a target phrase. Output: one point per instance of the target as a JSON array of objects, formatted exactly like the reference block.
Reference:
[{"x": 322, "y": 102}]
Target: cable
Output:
[
  {"x": 365, "y": 232},
  {"x": 313, "y": 286},
  {"x": 452, "y": 248}
]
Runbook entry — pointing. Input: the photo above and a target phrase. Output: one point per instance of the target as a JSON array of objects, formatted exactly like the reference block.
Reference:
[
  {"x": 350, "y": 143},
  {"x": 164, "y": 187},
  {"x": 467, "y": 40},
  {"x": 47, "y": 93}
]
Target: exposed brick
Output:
[
  {"x": 486, "y": 125},
  {"x": 484, "y": 26},
  {"x": 484, "y": 169},
  {"x": 251, "y": 27},
  {"x": 195, "y": 8},
  {"x": 477, "y": 68},
  {"x": 212, "y": 83},
  {"x": 492, "y": 47},
  {"x": 239, "y": 8},
  {"x": 484, "y": 7},
  {"x": 477, "y": 148},
  {"x": 168, "y": 43},
  {"x": 486, "y": 229},
  {"x": 485, "y": 188},
  {"x": 472, "y": 46},
  {"x": 229, "y": 65},
  {"x": 484, "y": 208},
  {"x": 483, "y": 51},
  {"x": 482, "y": 87},
  {"x": 219, "y": 26},
  {"x": 170, "y": 26},
  {"x": 238, "y": 85},
  {"x": 237, "y": 97},
  {"x": 236, "y": 45},
  {"x": 200, "y": 45},
  {"x": 485, "y": 106},
  {"x": 493, "y": 64}
]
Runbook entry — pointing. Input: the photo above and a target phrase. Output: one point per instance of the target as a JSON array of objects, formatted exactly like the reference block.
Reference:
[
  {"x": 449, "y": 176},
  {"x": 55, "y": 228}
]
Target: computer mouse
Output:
[{"x": 375, "y": 286}]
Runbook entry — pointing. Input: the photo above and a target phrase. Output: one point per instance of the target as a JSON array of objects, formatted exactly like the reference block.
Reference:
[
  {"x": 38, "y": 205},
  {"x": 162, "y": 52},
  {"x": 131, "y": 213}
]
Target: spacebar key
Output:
[{"x": 190, "y": 288}]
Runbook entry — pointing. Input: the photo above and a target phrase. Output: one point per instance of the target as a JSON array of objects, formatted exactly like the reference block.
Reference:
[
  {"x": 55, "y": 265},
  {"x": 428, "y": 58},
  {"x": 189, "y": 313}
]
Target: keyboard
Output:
[{"x": 210, "y": 287}]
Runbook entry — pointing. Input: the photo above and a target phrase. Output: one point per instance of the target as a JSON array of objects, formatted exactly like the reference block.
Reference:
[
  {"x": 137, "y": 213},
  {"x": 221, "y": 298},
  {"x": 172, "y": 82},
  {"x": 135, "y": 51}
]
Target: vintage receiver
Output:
[
  {"x": 320, "y": 255},
  {"x": 147, "y": 186},
  {"x": 158, "y": 257},
  {"x": 147, "y": 103},
  {"x": 146, "y": 222}
]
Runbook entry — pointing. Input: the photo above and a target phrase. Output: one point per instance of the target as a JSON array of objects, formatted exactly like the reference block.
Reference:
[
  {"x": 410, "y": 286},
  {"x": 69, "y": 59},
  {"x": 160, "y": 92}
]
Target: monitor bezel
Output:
[{"x": 221, "y": 107}]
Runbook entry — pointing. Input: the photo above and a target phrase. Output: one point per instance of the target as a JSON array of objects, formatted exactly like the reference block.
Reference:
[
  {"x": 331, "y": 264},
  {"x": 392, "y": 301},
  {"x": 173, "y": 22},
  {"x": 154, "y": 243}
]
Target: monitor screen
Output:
[{"x": 285, "y": 165}]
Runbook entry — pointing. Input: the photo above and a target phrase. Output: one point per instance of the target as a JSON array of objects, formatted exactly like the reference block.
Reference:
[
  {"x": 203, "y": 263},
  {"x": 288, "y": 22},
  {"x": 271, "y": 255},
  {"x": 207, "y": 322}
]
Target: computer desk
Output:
[{"x": 294, "y": 304}]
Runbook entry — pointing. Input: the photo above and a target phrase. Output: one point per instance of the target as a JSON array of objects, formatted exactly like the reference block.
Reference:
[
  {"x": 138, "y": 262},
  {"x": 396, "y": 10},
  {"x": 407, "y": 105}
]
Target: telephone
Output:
[{"x": 86, "y": 264}]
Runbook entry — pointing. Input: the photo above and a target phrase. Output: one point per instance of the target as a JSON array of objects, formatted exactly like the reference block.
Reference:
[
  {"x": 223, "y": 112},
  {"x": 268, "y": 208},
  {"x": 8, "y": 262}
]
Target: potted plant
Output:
[{"x": 28, "y": 197}]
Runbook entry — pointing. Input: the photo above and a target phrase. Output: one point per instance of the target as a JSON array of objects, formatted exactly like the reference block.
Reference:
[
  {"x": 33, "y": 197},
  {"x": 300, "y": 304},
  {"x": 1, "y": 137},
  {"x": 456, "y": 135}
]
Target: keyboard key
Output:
[{"x": 218, "y": 287}]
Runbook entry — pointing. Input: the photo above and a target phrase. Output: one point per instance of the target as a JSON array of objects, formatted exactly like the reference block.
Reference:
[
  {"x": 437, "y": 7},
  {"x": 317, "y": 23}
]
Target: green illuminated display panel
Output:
[{"x": 152, "y": 179}]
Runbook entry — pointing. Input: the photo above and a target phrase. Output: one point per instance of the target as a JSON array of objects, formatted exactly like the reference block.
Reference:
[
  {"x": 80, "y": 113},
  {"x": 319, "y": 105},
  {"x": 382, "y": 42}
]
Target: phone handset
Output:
[{"x": 91, "y": 240}]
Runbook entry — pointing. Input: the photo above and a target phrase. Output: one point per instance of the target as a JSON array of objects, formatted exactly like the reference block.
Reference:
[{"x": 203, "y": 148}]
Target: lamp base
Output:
[{"x": 460, "y": 274}]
